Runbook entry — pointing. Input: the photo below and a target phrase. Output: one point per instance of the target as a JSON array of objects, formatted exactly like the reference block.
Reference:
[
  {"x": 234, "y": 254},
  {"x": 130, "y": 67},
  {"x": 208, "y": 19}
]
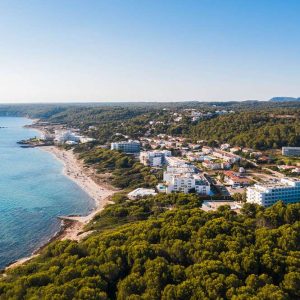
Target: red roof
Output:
[{"x": 234, "y": 176}]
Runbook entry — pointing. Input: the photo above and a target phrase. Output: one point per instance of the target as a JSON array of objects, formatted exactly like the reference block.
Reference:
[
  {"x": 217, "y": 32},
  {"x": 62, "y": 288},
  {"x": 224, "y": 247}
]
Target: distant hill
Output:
[{"x": 284, "y": 99}]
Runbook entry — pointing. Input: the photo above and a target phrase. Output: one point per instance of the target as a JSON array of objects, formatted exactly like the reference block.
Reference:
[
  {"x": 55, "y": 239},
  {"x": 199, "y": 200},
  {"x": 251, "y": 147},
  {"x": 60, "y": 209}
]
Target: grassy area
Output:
[
  {"x": 286, "y": 160},
  {"x": 279, "y": 159}
]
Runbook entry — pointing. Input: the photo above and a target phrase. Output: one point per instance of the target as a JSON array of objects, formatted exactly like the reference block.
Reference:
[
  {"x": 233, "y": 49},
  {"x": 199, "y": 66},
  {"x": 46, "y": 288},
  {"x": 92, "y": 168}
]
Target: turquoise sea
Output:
[{"x": 33, "y": 192}]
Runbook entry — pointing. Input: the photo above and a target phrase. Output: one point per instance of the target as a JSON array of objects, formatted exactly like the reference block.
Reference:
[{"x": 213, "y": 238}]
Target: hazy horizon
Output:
[
  {"x": 151, "y": 51},
  {"x": 124, "y": 101}
]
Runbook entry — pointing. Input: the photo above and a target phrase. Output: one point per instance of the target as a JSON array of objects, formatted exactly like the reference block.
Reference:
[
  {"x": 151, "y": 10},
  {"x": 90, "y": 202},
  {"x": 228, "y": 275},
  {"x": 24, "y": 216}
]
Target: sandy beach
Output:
[
  {"x": 100, "y": 192},
  {"x": 75, "y": 170}
]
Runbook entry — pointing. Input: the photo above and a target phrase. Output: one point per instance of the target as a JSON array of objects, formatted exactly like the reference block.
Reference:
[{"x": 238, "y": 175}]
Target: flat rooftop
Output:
[{"x": 284, "y": 183}]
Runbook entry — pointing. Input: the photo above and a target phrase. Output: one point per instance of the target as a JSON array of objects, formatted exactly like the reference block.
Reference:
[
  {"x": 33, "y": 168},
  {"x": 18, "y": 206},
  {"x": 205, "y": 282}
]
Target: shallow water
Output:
[{"x": 33, "y": 192}]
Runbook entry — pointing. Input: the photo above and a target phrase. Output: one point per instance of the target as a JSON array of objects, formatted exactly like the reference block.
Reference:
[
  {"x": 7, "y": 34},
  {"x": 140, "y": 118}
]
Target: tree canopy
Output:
[{"x": 175, "y": 252}]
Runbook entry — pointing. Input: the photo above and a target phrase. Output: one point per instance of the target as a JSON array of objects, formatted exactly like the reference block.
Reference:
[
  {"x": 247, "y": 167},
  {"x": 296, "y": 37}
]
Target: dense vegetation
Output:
[
  {"x": 125, "y": 170},
  {"x": 166, "y": 247},
  {"x": 259, "y": 125},
  {"x": 250, "y": 129},
  {"x": 46, "y": 111},
  {"x": 273, "y": 128},
  {"x": 170, "y": 249}
]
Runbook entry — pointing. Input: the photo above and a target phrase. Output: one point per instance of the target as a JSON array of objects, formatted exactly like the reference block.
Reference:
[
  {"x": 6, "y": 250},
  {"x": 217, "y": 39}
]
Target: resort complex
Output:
[
  {"x": 167, "y": 195},
  {"x": 150, "y": 150}
]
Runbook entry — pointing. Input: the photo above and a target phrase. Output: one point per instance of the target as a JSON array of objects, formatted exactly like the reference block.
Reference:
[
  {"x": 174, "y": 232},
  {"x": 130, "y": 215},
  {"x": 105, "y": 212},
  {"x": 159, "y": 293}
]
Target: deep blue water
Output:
[{"x": 33, "y": 192}]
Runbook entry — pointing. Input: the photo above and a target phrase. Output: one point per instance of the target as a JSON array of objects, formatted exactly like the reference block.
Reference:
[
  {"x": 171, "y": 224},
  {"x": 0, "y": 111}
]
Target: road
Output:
[
  {"x": 275, "y": 173},
  {"x": 251, "y": 162}
]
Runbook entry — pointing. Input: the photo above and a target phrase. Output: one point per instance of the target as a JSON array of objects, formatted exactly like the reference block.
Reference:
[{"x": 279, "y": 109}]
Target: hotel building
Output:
[
  {"x": 183, "y": 177},
  {"x": 186, "y": 183},
  {"x": 154, "y": 158},
  {"x": 291, "y": 151},
  {"x": 287, "y": 190},
  {"x": 127, "y": 146}
]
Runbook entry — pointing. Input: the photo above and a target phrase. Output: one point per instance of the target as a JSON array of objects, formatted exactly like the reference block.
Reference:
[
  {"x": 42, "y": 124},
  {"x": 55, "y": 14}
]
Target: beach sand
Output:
[{"x": 98, "y": 190}]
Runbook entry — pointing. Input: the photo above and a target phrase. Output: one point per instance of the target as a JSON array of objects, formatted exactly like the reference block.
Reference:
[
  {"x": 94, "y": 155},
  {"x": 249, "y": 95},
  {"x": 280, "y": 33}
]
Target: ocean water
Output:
[{"x": 33, "y": 192}]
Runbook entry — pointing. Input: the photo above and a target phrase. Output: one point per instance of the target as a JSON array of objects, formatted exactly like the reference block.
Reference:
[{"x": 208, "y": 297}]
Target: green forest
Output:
[
  {"x": 255, "y": 124},
  {"x": 166, "y": 247},
  {"x": 251, "y": 129},
  {"x": 125, "y": 171}
]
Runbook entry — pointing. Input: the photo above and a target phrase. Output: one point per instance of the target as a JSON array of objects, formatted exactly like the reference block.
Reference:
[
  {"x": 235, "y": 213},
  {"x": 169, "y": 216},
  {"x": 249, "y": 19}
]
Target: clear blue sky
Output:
[{"x": 155, "y": 50}]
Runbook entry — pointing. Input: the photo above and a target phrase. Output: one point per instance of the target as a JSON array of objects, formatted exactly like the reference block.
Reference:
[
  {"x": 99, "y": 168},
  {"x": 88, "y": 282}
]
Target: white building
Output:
[
  {"x": 207, "y": 150},
  {"x": 154, "y": 158},
  {"x": 196, "y": 115},
  {"x": 216, "y": 165},
  {"x": 178, "y": 119},
  {"x": 173, "y": 171},
  {"x": 141, "y": 192},
  {"x": 225, "y": 146},
  {"x": 211, "y": 165},
  {"x": 70, "y": 138},
  {"x": 186, "y": 183},
  {"x": 179, "y": 168},
  {"x": 287, "y": 190},
  {"x": 47, "y": 136},
  {"x": 194, "y": 156},
  {"x": 84, "y": 139},
  {"x": 296, "y": 170},
  {"x": 229, "y": 157},
  {"x": 71, "y": 143},
  {"x": 173, "y": 161},
  {"x": 291, "y": 151},
  {"x": 127, "y": 146},
  {"x": 183, "y": 178},
  {"x": 62, "y": 136}
]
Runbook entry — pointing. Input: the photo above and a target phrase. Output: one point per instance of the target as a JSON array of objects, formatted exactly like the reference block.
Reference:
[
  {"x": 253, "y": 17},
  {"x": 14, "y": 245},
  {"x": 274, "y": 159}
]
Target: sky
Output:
[{"x": 148, "y": 50}]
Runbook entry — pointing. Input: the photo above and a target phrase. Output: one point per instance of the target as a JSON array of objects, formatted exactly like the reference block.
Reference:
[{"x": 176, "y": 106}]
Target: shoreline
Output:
[
  {"x": 75, "y": 170},
  {"x": 63, "y": 227},
  {"x": 72, "y": 226}
]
